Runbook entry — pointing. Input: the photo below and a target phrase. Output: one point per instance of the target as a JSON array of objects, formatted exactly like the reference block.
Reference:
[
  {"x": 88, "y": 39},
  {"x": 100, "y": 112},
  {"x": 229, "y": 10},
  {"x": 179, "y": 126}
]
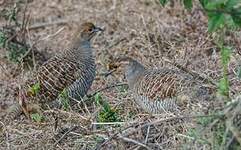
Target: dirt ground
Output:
[{"x": 141, "y": 29}]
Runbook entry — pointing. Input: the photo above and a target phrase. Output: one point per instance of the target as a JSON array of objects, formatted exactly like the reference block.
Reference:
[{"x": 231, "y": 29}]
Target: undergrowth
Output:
[
  {"x": 107, "y": 113},
  {"x": 13, "y": 34},
  {"x": 223, "y": 16}
]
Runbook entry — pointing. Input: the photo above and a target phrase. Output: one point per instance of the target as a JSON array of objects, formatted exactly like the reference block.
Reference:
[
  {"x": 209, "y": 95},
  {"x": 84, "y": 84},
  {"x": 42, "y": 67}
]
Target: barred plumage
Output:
[
  {"x": 73, "y": 69},
  {"x": 13, "y": 111},
  {"x": 159, "y": 90}
]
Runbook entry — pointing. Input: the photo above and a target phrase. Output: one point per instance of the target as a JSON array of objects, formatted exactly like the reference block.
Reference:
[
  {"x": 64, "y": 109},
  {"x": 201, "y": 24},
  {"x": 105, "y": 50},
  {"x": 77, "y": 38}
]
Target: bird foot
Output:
[
  {"x": 183, "y": 100},
  {"x": 32, "y": 109}
]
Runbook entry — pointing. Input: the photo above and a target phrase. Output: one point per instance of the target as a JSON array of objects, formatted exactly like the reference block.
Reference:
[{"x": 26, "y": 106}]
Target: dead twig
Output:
[
  {"x": 4, "y": 71},
  {"x": 133, "y": 141},
  {"x": 45, "y": 24},
  {"x": 147, "y": 134},
  {"x": 174, "y": 118},
  {"x": 105, "y": 88},
  {"x": 116, "y": 43},
  {"x": 106, "y": 74},
  {"x": 2, "y": 2},
  {"x": 59, "y": 112},
  {"x": 108, "y": 123},
  {"x": 155, "y": 122},
  {"x": 45, "y": 38},
  {"x": 63, "y": 136}
]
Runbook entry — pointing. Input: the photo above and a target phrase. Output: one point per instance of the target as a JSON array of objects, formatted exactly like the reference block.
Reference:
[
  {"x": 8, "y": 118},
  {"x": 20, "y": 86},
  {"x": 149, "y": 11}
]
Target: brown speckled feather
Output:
[
  {"x": 55, "y": 75},
  {"x": 157, "y": 90},
  {"x": 160, "y": 84}
]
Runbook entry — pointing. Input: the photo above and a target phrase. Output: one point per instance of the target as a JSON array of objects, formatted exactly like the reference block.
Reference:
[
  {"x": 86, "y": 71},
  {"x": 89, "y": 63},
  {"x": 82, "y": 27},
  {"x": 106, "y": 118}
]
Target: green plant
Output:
[
  {"x": 223, "y": 87},
  {"x": 163, "y": 2},
  {"x": 107, "y": 114},
  {"x": 64, "y": 100},
  {"x": 187, "y": 4},
  {"x": 239, "y": 73},
  {"x": 15, "y": 50},
  {"x": 195, "y": 135},
  {"x": 37, "y": 117},
  {"x": 34, "y": 89},
  {"x": 88, "y": 142},
  {"x": 3, "y": 39},
  {"x": 219, "y": 11},
  {"x": 223, "y": 16},
  {"x": 10, "y": 13},
  {"x": 11, "y": 38}
]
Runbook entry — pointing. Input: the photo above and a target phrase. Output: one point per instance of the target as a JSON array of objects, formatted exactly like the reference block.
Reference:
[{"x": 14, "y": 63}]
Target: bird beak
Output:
[{"x": 97, "y": 29}]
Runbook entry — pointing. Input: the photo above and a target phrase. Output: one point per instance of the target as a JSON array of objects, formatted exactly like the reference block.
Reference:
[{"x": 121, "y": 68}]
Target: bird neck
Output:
[
  {"x": 133, "y": 72},
  {"x": 82, "y": 44},
  {"x": 80, "y": 51}
]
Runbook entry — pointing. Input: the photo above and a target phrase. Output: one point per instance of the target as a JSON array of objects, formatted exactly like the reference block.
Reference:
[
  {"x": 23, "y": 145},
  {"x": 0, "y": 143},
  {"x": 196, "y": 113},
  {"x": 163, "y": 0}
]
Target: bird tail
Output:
[
  {"x": 203, "y": 92},
  {"x": 195, "y": 95},
  {"x": 13, "y": 111}
]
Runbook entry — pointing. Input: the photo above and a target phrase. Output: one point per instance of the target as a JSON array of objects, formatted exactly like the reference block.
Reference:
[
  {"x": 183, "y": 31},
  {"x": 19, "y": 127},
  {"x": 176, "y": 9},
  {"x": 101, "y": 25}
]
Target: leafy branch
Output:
[{"x": 223, "y": 16}]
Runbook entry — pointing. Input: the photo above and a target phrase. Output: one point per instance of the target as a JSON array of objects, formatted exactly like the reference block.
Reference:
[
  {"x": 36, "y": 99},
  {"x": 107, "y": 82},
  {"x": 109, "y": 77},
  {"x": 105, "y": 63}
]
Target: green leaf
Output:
[
  {"x": 215, "y": 21},
  {"x": 64, "y": 99},
  {"x": 215, "y": 4},
  {"x": 232, "y": 3},
  {"x": 163, "y": 2},
  {"x": 106, "y": 114},
  {"x": 37, "y": 117},
  {"x": 225, "y": 55},
  {"x": 2, "y": 39},
  {"x": 204, "y": 3},
  {"x": 187, "y": 4},
  {"x": 105, "y": 105},
  {"x": 65, "y": 103},
  {"x": 239, "y": 72},
  {"x": 34, "y": 89},
  {"x": 98, "y": 98},
  {"x": 237, "y": 19},
  {"x": 205, "y": 121},
  {"x": 223, "y": 86}
]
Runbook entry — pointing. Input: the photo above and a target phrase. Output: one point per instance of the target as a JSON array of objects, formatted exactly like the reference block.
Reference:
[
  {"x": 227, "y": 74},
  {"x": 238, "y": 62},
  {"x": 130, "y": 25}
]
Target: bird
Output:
[
  {"x": 158, "y": 90},
  {"x": 72, "y": 70}
]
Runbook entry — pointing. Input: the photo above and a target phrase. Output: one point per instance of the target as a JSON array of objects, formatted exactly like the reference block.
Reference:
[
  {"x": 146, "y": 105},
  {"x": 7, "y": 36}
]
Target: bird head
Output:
[
  {"x": 87, "y": 31},
  {"x": 133, "y": 68}
]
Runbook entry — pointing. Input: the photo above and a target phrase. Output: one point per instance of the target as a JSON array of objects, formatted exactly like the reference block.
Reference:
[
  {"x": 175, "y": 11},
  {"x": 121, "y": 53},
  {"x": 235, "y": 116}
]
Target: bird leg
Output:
[
  {"x": 34, "y": 108},
  {"x": 183, "y": 100},
  {"x": 22, "y": 103},
  {"x": 29, "y": 108}
]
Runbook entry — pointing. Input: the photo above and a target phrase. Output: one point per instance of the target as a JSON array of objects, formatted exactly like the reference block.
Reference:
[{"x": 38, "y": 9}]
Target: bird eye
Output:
[{"x": 90, "y": 29}]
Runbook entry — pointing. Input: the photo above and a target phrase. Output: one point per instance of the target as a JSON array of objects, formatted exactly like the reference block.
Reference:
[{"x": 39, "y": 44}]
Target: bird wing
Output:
[
  {"x": 55, "y": 75},
  {"x": 160, "y": 84}
]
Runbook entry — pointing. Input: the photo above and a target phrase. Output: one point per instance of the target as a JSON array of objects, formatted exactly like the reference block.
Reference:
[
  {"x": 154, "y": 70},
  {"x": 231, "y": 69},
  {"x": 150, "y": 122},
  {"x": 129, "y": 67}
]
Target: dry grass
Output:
[{"x": 138, "y": 28}]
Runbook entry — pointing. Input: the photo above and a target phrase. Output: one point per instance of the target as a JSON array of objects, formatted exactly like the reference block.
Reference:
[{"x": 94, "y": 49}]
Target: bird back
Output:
[{"x": 157, "y": 90}]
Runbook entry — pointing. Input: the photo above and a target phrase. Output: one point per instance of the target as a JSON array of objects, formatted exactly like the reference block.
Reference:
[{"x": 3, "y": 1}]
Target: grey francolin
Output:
[
  {"x": 158, "y": 90},
  {"x": 73, "y": 69}
]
